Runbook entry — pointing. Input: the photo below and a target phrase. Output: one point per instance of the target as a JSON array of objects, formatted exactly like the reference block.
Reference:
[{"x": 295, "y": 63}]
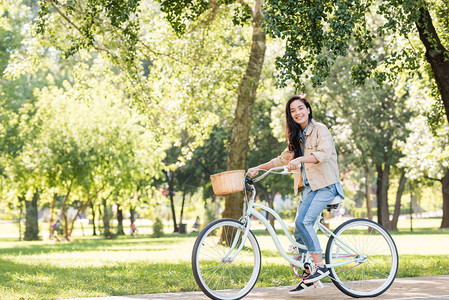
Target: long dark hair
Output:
[{"x": 292, "y": 128}]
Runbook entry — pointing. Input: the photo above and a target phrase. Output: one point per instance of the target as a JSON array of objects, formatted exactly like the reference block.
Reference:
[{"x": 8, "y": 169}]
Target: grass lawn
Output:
[{"x": 89, "y": 267}]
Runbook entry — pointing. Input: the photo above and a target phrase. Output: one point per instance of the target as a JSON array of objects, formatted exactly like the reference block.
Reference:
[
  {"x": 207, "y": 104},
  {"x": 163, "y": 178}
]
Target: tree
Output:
[
  {"x": 318, "y": 32},
  {"x": 121, "y": 22},
  {"x": 16, "y": 111},
  {"x": 92, "y": 144},
  {"x": 370, "y": 123},
  {"x": 431, "y": 161},
  {"x": 75, "y": 143},
  {"x": 237, "y": 157},
  {"x": 22, "y": 73}
]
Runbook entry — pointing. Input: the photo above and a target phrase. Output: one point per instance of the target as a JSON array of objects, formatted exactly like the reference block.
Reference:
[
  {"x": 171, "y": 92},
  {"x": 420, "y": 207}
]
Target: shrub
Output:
[{"x": 158, "y": 228}]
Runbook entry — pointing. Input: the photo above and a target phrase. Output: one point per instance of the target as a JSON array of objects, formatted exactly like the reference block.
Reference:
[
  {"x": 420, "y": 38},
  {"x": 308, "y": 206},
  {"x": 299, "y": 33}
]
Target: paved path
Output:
[{"x": 433, "y": 288}]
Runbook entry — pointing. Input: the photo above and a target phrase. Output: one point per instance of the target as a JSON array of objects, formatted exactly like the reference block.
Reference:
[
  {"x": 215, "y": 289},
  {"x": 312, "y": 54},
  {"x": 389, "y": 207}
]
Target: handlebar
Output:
[{"x": 272, "y": 170}]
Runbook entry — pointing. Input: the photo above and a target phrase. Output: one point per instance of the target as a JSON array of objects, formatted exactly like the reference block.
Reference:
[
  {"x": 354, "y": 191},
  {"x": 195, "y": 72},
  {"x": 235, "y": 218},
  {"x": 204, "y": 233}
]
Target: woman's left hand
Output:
[{"x": 294, "y": 164}]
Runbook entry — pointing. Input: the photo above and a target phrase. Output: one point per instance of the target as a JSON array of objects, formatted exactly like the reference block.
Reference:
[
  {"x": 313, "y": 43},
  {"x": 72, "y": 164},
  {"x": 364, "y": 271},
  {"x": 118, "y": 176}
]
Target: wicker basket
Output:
[{"x": 228, "y": 182}]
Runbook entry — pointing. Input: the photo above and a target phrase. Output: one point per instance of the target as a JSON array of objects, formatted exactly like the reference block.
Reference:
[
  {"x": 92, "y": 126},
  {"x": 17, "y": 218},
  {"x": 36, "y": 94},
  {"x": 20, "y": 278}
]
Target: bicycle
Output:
[{"x": 226, "y": 261}]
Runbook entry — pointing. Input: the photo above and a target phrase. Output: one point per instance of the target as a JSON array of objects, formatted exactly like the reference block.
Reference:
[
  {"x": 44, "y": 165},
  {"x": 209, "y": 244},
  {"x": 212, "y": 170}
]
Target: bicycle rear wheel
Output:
[
  {"x": 216, "y": 273},
  {"x": 375, "y": 253}
]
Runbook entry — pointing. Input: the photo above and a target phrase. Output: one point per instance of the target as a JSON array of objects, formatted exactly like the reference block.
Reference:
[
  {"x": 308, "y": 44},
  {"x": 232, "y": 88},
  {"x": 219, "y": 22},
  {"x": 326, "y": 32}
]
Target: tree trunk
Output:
[
  {"x": 81, "y": 208},
  {"x": 64, "y": 216},
  {"x": 106, "y": 220},
  {"x": 94, "y": 229},
  {"x": 63, "y": 208},
  {"x": 182, "y": 206},
  {"x": 31, "y": 221},
  {"x": 182, "y": 228},
  {"x": 397, "y": 206},
  {"x": 369, "y": 209},
  {"x": 246, "y": 96},
  {"x": 132, "y": 214},
  {"x": 100, "y": 217},
  {"x": 436, "y": 54},
  {"x": 52, "y": 212},
  {"x": 21, "y": 200},
  {"x": 445, "y": 190},
  {"x": 120, "y": 230},
  {"x": 171, "y": 194},
  {"x": 383, "y": 176}
]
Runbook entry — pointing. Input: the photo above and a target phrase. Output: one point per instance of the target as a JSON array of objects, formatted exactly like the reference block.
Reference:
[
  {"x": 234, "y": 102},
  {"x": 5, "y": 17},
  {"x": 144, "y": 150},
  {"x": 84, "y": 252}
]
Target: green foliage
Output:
[
  {"x": 119, "y": 21},
  {"x": 318, "y": 32},
  {"x": 435, "y": 116},
  {"x": 10, "y": 34},
  {"x": 315, "y": 33},
  {"x": 210, "y": 213},
  {"x": 432, "y": 158},
  {"x": 180, "y": 13},
  {"x": 89, "y": 131},
  {"x": 368, "y": 124},
  {"x": 135, "y": 98},
  {"x": 158, "y": 228}
]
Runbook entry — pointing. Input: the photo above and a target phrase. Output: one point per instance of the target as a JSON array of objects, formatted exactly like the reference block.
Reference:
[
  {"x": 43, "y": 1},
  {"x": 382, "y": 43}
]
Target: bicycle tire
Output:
[
  {"x": 225, "y": 280},
  {"x": 377, "y": 264}
]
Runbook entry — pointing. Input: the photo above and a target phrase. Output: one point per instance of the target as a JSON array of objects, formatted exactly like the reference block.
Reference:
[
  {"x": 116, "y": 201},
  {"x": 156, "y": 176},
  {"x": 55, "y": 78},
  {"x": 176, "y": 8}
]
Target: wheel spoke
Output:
[
  {"x": 374, "y": 270},
  {"x": 217, "y": 275}
]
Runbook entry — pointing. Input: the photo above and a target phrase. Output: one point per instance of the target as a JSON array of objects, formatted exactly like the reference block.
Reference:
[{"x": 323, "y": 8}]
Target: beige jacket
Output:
[{"x": 318, "y": 143}]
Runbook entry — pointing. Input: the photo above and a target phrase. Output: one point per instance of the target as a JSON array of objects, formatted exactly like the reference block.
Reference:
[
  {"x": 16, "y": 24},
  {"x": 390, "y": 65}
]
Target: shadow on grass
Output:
[
  {"x": 88, "y": 244},
  {"x": 420, "y": 231}
]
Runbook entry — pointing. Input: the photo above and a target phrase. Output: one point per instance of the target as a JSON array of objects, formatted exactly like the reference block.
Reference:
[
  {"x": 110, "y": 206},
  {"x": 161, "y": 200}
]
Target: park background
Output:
[{"x": 117, "y": 113}]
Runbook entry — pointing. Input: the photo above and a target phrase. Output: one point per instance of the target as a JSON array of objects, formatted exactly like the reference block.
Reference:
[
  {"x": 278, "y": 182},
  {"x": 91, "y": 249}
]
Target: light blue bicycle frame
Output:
[{"x": 251, "y": 210}]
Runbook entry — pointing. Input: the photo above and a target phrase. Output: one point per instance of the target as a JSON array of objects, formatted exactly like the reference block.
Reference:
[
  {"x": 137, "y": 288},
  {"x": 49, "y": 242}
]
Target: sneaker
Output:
[
  {"x": 301, "y": 288},
  {"x": 317, "y": 274}
]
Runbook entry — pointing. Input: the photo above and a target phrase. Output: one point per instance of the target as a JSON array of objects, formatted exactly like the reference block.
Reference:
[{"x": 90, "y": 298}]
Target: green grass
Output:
[
  {"x": 89, "y": 267},
  {"x": 94, "y": 267}
]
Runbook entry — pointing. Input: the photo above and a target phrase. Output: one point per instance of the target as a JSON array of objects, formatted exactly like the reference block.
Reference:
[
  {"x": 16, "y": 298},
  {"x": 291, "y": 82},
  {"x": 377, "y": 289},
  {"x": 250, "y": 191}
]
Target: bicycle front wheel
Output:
[
  {"x": 374, "y": 258},
  {"x": 217, "y": 272}
]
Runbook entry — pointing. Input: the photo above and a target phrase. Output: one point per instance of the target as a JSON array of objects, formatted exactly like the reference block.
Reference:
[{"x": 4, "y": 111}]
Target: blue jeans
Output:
[{"x": 309, "y": 208}]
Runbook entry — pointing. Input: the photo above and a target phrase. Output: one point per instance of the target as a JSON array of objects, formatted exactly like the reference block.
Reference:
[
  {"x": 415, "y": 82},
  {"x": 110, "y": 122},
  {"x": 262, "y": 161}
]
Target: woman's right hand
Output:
[
  {"x": 253, "y": 171},
  {"x": 294, "y": 164}
]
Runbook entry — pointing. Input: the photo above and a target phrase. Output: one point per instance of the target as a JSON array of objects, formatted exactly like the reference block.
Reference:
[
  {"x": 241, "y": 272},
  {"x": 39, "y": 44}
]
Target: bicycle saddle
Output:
[{"x": 335, "y": 203}]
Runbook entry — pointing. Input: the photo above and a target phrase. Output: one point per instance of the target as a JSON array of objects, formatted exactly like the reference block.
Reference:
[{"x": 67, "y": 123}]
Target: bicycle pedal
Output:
[
  {"x": 292, "y": 249},
  {"x": 318, "y": 284}
]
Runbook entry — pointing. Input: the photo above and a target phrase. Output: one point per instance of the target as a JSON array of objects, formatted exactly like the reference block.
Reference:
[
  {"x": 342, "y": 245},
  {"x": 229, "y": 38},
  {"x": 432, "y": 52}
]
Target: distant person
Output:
[
  {"x": 56, "y": 228},
  {"x": 196, "y": 225},
  {"x": 133, "y": 230}
]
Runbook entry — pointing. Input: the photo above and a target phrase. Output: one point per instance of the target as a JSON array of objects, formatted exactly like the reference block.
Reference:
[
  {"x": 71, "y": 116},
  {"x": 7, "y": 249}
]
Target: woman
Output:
[{"x": 311, "y": 152}]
